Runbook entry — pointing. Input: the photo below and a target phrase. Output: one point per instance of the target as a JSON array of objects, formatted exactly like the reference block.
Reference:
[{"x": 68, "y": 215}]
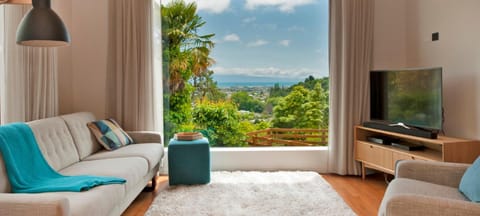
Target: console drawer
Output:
[
  {"x": 374, "y": 154},
  {"x": 404, "y": 156}
]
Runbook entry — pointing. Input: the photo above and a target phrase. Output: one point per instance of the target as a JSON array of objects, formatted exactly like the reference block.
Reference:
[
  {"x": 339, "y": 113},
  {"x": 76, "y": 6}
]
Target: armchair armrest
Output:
[
  {"x": 33, "y": 204},
  {"x": 408, "y": 204},
  {"x": 443, "y": 173},
  {"x": 145, "y": 136}
]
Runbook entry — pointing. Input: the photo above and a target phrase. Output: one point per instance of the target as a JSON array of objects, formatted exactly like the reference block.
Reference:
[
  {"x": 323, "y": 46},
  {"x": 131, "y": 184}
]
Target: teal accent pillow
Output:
[
  {"x": 470, "y": 183},
  {"x": 109, "y": 134}
]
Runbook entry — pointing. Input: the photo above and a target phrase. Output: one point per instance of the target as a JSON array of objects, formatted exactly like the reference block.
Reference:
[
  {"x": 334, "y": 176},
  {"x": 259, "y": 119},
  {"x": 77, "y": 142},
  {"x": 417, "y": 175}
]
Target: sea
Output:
[{"x": 253, "y": 84}]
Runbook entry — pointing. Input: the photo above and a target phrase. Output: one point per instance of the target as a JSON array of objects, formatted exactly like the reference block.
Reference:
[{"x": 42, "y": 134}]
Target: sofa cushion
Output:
[
  {"x": 152, "y": 152},
  {"x": 109, "y": 134},
  {"x": 469, "y": 185},
  {"x": 100, "y": 200},
  {"x": 132, "y": 169},
  {"x": 55, "y": 142},
  {"x": 82, "y": 137}
]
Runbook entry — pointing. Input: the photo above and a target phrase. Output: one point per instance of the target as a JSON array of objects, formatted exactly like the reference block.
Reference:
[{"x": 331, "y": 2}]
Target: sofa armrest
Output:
[
  {"x": 145, "y": 136},
  {"x": 408, "y": 204},
  {"x": 443, "y": 173},
  {"x": 33, "y": 204}
]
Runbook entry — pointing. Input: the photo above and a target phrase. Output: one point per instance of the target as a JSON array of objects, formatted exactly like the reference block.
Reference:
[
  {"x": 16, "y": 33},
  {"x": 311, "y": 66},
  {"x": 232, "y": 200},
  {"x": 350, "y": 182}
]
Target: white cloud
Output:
[
  {"x": 249, "y": 20},
  {"x": 266, "y": 72},
  {"x": 284, "y": 43},
  {"x": 287, "y": 6},
  {"x": 257, "y": 43},
  {"x": 296, "y": 29},
  {"x": 231, "y": 37},
  {"x": 213, "y": 6}
]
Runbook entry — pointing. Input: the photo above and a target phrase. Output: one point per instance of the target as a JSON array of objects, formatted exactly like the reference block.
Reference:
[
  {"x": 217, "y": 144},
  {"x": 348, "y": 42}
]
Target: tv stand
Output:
[{"x": 383, "y": 157}]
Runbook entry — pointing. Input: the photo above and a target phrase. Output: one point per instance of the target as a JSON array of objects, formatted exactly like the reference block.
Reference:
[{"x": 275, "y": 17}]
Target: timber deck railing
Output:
[{"x": 288, "y": 137}]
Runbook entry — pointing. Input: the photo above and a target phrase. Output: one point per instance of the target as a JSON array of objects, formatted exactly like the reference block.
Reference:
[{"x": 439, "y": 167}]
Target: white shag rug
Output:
[{"x": 252, "y": 193}]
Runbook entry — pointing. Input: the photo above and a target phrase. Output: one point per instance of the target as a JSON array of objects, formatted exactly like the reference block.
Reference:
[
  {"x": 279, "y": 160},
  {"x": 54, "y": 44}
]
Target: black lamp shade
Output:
[{"x": 42, "y": 27}]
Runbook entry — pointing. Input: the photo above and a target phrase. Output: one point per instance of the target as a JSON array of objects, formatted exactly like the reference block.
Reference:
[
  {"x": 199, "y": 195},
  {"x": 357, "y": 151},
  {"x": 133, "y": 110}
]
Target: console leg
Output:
[{"x": 363, "y": 171}]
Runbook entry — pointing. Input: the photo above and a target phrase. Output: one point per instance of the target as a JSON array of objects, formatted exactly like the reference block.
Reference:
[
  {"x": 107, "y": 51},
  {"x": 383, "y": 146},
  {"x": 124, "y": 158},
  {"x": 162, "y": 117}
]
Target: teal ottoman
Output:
[{"x": 188, "y": 162}]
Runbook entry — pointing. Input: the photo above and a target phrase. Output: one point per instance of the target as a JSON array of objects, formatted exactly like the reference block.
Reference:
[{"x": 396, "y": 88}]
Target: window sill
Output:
[
  {"x": 268, "y": 158},
  {"x": 269, "y": 149}
]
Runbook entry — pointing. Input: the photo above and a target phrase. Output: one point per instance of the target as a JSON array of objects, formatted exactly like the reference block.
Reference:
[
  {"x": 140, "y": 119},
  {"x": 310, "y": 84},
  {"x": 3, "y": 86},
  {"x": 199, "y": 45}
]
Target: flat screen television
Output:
[{"x": 409, "y": 96}]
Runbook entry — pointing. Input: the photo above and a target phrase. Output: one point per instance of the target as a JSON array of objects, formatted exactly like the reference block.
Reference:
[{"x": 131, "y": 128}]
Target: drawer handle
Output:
[
  {"x": 371, "y": 146},
  {"x": 413, "y": 158}
]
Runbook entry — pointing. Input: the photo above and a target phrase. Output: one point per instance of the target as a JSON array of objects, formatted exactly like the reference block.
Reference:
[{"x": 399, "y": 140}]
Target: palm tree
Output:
[
  {"x": 200, "y": 63},
  {"x": 186, "y": 51}
]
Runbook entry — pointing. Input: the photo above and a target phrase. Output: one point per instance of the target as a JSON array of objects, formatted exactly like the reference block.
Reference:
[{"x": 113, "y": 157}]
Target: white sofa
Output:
[{"x": 71, "y": 149}]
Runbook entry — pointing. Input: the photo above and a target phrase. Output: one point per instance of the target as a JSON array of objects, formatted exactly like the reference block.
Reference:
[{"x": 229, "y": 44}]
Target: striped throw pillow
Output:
[{"x": 109, "y": 134}]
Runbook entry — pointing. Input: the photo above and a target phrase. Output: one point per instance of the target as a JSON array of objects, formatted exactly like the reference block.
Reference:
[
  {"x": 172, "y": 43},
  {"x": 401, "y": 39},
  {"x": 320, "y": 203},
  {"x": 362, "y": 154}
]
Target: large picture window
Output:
[{"x": 246, "y": 72}]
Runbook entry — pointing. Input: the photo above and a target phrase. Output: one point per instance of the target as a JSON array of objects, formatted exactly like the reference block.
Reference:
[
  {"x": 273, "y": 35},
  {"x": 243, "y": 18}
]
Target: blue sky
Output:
[{"x": 267, "y": 40}]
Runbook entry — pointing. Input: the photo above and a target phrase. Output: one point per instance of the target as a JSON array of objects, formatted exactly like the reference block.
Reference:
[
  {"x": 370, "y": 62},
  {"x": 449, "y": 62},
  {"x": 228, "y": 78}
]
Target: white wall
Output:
[
  {"x": 64, "y": 10},
  {"x": 457, "y": 51},
  {"x": 89, "y": 64},
  {"x": 389, "y": 47},
  {"x": 83, "y": 65}
]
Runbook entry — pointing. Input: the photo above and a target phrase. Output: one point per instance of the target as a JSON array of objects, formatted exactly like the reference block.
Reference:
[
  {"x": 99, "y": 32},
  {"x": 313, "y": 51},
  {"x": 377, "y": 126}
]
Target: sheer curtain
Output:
[
  {"x": 132, "y": 85},
  {"x": 351, "y": 41},
  {"x": 28, "y": 76}
]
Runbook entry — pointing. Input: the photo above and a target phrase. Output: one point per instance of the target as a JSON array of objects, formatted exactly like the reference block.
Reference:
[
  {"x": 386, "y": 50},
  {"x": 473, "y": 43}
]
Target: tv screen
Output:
[{"x": 410, "y": 96}]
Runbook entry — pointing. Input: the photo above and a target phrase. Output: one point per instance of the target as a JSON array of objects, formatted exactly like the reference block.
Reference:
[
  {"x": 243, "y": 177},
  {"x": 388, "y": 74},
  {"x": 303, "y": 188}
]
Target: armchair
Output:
[{"x": 427, "y": 188}]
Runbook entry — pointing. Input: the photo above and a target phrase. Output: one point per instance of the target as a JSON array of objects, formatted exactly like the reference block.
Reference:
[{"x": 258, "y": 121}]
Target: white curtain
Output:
[
  {"x": 28, "y": 76},
  {"x": 351, "y": 41},
  {"x": 132, "y": 88}
]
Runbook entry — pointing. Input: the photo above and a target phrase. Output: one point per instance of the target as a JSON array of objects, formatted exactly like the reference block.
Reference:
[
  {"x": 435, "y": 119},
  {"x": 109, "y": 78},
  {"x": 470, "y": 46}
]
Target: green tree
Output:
[
  {"x": 278, "y": 91},
  {"x": 290, "y": 108},
  {"x": 271, "y": 103},
  {"x": 206, "y": 88},
  {"x": 247, "y": 102},
  {"x": 310, "y": 82},
  {"x": 318, "y": 98},
  {"x": 302, "y": 108},
  {"x": 222, "y": 120}
]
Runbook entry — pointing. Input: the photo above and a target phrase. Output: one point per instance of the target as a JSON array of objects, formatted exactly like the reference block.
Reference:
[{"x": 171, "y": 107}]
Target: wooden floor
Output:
[
  {"x": 363, "y": 196},
  {"x": 144, "y": 200}
]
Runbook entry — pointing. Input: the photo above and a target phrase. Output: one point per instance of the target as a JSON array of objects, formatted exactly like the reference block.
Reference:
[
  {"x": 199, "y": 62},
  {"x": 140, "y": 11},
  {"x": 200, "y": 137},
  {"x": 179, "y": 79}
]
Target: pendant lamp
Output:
[{"x": 42, "y": 27}]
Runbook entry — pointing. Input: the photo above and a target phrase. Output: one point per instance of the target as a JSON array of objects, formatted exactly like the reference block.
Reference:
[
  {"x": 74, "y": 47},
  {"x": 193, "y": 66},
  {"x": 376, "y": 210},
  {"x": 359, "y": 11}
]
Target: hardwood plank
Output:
[
  {"x": 363, "y": 196},
  {"x": 144, "y": 200}
]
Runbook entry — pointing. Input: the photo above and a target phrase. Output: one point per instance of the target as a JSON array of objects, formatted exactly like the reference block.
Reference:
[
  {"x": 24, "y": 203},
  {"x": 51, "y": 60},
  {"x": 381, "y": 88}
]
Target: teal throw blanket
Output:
[{"x": 29, "y": 172}]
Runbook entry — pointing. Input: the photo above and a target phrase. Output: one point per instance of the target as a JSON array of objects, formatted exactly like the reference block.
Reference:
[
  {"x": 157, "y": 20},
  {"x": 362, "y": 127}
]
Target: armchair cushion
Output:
[
  {"x": 149, "y": 151},
  {"x": 469, "y": 185},
  {"x": 442, "y": 173},
  {"x": 421, "y": 188}
]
